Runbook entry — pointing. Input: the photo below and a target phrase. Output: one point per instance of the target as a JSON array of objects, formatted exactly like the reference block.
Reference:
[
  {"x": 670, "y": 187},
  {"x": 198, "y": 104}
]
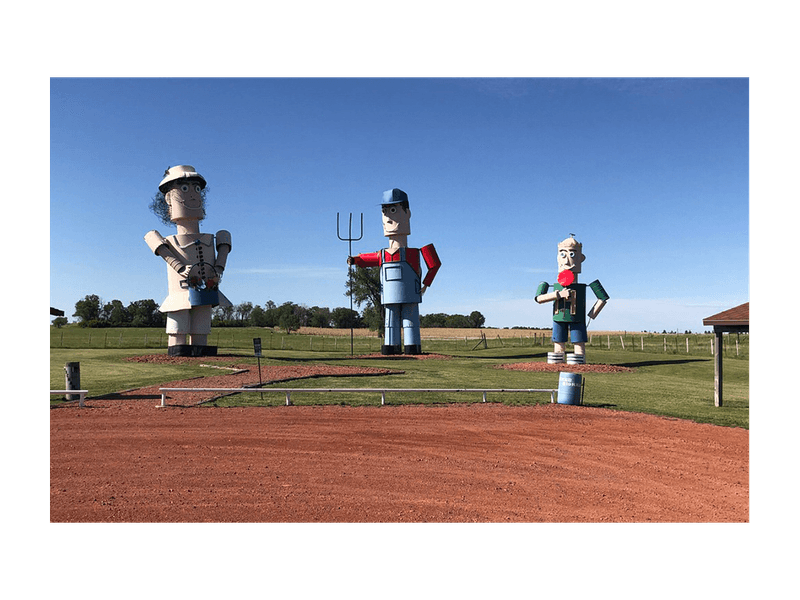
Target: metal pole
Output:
[
  {"x": 350, "y": 239},
  {"x": 260, "y": 383}
]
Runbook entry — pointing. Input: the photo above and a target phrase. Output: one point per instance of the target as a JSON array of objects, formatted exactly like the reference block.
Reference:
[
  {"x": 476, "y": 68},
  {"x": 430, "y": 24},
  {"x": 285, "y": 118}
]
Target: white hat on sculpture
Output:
[{"x": 180, "y": 172}]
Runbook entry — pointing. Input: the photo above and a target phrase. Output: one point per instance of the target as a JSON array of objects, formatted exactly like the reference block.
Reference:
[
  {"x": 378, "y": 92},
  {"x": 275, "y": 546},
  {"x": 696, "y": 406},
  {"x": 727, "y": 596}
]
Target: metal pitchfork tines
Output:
[{"x": 350, "y": 239}]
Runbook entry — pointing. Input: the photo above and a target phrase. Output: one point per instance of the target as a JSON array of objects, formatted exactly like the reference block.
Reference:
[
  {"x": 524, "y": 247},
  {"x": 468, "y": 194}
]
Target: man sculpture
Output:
[
  {"x": 569, "y": 303},
  {"x": 402, "y": 285}
]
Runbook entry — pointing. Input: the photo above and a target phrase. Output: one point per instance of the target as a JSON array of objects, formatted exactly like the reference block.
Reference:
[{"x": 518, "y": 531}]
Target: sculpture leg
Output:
[
  {"x": 200, "y": 325},
  {"x": 578, "y": 337},
  {"x": 560, "y": 332},
  {"x": 411, "y": 335},
  {"x": 177, "y": 327},
  {"x": 391, "y": 342},
  {"x": 188, "y": 332}
]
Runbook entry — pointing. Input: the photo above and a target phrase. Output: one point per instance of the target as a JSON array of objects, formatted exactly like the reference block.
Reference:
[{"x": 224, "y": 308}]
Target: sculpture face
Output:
[
  {"x": 570, "y": 256},
  {"x": 396, "y": 220},
  {"x": 185, "y": 201}
]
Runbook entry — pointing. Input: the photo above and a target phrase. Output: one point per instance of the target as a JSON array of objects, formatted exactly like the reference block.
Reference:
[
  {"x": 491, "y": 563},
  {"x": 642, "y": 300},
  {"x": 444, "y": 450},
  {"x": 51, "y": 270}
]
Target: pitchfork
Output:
[{"x": 350, "y": 239}]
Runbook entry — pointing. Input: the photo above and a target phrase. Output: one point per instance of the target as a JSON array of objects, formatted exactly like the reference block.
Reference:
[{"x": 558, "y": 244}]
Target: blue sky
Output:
[{"x": 651, "y": 175}]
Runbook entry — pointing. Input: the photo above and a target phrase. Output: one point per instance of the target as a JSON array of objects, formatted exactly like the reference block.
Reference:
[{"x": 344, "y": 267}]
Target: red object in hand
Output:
[{"x": 566, "y": 277}]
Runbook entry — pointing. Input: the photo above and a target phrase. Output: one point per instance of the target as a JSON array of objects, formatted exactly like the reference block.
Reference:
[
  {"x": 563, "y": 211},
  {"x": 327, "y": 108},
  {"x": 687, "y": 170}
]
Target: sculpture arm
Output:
[
  {"x": 160, "y": 247},
  {"x": 542, "y": 296},
  {"x": 432, "y": 262},
  {"x": 369, "y": 259},
  {"x": 602, "y": 298},
  {"x": 598, "y": 306},
  {"x": 223, "y": 239}
]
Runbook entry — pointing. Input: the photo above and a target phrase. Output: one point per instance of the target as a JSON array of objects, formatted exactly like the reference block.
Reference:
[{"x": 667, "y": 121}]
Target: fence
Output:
[
  {"x": 238, "y": 339},
  {"x": 381, "y": 391}
]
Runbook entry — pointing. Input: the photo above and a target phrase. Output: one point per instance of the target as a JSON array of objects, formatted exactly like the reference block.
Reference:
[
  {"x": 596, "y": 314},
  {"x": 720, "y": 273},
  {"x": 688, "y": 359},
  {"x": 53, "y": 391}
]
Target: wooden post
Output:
[{"x": 718, "y": 368}]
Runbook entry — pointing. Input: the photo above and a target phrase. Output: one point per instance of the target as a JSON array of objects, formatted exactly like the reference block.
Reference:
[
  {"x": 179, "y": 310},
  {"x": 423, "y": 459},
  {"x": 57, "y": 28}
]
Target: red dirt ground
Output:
[{"x": 122, "y": 459}]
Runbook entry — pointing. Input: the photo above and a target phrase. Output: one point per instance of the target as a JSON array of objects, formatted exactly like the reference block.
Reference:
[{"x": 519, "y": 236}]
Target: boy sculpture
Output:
[
  {"x": 195, "y": 262},
  {"x": 569, "y": 303},
  {"x": 401, "y": 272}
]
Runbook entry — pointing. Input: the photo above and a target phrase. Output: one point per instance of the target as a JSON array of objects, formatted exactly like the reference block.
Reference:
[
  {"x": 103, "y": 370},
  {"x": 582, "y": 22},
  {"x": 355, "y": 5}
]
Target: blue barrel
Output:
[{"x": 569, "y": 388}]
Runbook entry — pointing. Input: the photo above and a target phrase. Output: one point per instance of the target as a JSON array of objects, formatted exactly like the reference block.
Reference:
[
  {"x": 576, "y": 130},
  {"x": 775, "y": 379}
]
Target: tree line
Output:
[
  {"x": 93, "y": 312},
  {"x": 289, "y": 316}
]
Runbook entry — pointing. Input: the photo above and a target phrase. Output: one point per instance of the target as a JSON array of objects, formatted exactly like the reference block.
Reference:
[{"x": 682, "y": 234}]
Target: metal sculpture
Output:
[
  {"x": 569, "y": 303},
  {"x": 402, "y": 286},
  {"x": 195, "y": 262}
]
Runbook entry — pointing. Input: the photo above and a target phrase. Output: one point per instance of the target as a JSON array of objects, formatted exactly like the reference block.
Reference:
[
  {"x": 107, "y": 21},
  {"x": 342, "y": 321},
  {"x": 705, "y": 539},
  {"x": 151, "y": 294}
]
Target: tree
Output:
[
  {"x": 224, "y": 313},
  {"x": 345, "y": 318},
  {"x": 372, "y": 317},
  {"x": 257, "y": 317},
  {"x": 88, "y": 310},
  {"x": 59, "y": 322},
  {"x": 115, "y": 314},
  {"x": 289, "y": 316},
  {"x": 270, "y": 314},
  {"x": 459, "y": 321},
  {"x": 365, "y": 288},
  {"x": 433, "y": 320},
  {"x": 243, "y": 310},
  {"x": 145, "y": 313},
  {"x": 476, "y": 319},
  {"x": 319, "y": 317}
]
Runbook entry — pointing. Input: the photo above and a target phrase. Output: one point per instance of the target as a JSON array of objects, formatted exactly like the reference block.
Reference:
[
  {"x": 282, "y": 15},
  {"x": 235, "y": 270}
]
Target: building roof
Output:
[{"x": 739, "y": 316}]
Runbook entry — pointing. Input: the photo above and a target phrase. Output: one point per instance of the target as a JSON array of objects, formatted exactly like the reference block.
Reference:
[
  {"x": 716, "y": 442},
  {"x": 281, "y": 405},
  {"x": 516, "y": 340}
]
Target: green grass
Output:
[
  {"x": 669, "y": 384},
  {"x": 106, "y": 371}
]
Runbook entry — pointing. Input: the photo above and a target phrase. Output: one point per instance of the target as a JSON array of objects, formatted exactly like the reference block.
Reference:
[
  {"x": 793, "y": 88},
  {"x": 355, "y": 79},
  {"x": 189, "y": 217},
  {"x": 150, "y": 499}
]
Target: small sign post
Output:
[{"x": 257, "y": 352}]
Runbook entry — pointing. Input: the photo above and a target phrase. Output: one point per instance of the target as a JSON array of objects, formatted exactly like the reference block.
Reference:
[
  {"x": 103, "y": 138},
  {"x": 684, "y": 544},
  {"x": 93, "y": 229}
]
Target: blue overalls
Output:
[{"x": 400, "y": 296}]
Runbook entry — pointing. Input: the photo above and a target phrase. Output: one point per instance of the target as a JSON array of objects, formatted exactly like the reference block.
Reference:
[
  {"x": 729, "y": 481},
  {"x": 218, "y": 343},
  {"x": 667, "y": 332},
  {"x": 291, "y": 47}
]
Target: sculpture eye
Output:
[
  {"x": 572, "y": 255},
  {"x": 184, "y": 188},
  {"x": 197, "y": 189}
]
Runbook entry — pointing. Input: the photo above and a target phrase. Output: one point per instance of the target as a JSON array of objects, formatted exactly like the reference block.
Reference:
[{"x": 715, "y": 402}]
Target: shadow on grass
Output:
[
  {"x": 506, "y": 356},
  {"x": 653, "y": 363},
  {"x": 327, "y": 359}
]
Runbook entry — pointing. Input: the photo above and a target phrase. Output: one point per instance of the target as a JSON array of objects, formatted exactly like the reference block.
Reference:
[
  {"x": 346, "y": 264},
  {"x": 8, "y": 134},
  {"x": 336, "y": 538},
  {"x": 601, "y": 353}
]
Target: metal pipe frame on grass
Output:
[
  {"x": 80, "y": 393},
  {"x": 381, "y": 391}
]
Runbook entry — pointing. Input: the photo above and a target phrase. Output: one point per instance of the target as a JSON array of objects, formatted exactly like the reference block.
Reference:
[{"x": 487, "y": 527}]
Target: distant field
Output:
[{"x": 454, "y": 333}]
